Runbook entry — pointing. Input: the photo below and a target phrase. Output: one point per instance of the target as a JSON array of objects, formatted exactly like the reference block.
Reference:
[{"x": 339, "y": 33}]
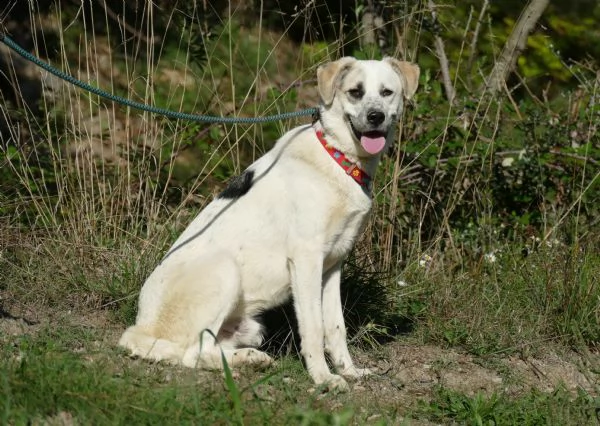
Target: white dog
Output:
[{"x": 281, "y": 229}]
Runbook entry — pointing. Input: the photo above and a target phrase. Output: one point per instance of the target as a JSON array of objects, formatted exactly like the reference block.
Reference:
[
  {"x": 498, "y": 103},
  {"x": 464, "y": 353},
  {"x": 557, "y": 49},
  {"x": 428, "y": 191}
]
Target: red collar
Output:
[{"x": 359, "y": 175}]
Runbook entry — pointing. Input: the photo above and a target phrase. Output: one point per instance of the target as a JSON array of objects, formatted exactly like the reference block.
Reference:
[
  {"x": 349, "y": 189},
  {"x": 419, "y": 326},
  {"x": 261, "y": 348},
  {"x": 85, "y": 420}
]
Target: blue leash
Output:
[{"x": 149, "y": 108}]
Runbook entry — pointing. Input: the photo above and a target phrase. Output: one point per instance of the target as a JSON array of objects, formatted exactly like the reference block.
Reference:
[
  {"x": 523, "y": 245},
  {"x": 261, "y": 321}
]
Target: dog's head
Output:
[{"x": 368, "y": 96}]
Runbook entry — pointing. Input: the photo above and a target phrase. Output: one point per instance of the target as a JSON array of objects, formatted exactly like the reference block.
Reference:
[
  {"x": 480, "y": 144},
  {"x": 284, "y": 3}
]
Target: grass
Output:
[
  {"x": 69, "y": 373},
  {"x": 45, "y": 378},
  {"x": 514, "y": 303},
  {"x": 534, "y": 408},
  {"x": 69, "y": 369},
  {"x": 66, "y": 370},
  {"x": 91, "y": 195}
]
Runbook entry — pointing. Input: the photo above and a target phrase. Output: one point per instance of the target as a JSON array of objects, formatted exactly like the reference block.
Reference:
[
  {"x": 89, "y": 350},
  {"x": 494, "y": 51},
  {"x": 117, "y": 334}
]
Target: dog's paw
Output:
[
  {"x": 332, "y": 383},
  {"x": 354, "y": 373},
  {"x": 252, "y": 357}
]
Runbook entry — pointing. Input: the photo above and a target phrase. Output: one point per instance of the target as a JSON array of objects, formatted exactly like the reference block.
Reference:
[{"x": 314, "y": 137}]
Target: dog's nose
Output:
[{"x": 375, "y": 117}]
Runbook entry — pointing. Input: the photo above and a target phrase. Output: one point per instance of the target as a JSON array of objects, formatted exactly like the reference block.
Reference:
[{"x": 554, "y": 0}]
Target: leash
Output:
[{"x": 150, "y": 108}]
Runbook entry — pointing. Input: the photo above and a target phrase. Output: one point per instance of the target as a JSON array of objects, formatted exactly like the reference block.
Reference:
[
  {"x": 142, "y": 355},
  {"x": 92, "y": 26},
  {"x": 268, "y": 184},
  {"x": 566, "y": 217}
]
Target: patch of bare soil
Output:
[
  {"x": 18, "y": 319},
  {"x": 413, "y": 372}
]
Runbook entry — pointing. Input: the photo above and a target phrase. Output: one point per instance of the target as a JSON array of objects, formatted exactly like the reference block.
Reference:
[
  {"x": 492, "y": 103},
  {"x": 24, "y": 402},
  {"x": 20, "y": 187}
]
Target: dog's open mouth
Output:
[{"x": 373, "y": 142}]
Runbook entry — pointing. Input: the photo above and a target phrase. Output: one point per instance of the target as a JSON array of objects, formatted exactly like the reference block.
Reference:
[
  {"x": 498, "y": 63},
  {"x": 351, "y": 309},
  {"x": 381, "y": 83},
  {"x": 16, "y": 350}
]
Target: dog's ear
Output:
[
  {"x": 409, "y": 72},
  {"x": 329, "y": 77}
]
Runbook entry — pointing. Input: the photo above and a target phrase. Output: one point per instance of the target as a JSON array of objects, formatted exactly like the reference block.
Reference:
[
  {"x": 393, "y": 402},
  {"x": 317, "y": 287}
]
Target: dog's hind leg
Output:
[
  {"x": 209, "y": 353},
  {"x": 201, "y": 299},
  {"x": 238, "y": 340},
  {"x": 206, "y": 308},
  {"x": 197, "y": 295},
  {"x": 202, "y": 295},
  {"x": 239, "y": 333}
]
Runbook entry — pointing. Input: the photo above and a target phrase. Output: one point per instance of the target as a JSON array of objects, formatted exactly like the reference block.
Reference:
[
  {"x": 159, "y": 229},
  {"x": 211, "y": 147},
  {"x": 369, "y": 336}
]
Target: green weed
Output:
[
  {"x": 66, "y": 371},
  {"x": 533, "y": 408},
  {"x": 511, "y": 304}
]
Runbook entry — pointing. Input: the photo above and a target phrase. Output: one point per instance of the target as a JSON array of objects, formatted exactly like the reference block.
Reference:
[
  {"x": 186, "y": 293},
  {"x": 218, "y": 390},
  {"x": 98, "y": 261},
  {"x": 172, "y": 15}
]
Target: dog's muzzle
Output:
[{"x": 372, "y": 141}]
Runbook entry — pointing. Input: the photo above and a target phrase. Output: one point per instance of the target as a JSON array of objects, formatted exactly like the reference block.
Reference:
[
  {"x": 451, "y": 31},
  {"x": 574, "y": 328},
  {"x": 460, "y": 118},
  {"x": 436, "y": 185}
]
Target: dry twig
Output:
[
  {"x": 473, "y": 46},
  {"x": 441, "y": 54},
  {"x": 515, "y": 44}
]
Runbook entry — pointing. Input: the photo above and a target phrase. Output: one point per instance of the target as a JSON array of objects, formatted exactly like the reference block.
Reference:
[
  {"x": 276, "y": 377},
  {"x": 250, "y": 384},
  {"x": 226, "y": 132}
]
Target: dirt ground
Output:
[
  {"x": 406, "y": 372},
  {"x": 414, "y": 370}
]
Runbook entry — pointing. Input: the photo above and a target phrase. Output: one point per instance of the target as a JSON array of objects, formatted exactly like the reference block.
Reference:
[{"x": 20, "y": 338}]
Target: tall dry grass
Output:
[{"x": 94, "y": 192}]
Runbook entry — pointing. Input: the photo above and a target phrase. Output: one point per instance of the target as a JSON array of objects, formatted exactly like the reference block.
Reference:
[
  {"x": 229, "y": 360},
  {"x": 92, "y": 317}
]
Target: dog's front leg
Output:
[
  {"x": 335, "y": 329},
  {"x": 306, "y": 274}
]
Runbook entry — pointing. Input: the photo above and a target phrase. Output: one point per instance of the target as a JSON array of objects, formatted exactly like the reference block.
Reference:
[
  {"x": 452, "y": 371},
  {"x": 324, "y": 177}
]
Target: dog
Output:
[{"x": 281, "y": 229}]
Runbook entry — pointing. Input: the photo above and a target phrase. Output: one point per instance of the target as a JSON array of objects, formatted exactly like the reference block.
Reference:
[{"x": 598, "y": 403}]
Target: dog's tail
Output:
[{"x": 141, "y": 343}]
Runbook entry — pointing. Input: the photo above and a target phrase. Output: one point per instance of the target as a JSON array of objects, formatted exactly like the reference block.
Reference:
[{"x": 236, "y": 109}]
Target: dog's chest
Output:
[{"x": 347, "y": 220}]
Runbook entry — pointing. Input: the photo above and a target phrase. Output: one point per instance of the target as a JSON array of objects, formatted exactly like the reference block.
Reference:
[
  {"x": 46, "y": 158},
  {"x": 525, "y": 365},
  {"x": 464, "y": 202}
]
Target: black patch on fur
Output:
[
  {"x": 238, "y": 186},
  {"x": 357, "y": 92}
]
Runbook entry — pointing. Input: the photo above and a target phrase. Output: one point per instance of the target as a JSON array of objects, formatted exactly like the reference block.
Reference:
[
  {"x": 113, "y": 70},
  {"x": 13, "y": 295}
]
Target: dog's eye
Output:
[
  {"x": 356, "y": 93},
  {"x": 387, "y": 92}
]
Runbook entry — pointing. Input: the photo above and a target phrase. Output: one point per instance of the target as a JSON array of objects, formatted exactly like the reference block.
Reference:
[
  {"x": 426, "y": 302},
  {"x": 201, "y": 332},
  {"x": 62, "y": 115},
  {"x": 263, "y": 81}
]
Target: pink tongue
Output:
[{"x": 372, "y": 145}]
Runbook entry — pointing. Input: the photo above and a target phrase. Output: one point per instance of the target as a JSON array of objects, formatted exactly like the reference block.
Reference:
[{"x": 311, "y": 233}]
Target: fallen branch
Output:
[{"x": 515, "y": 45}]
